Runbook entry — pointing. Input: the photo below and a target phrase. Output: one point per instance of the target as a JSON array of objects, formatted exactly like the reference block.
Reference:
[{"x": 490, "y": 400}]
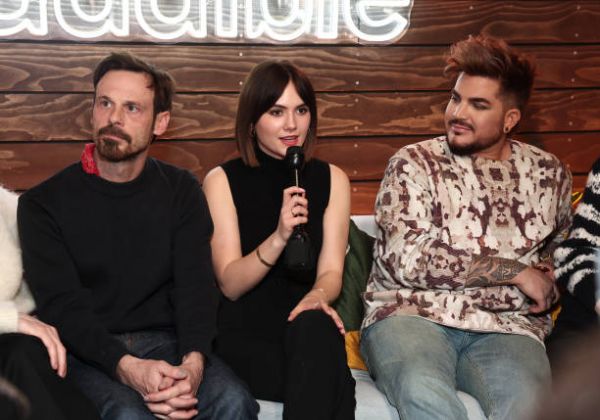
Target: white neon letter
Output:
[
  {"x": 391, "y": 26},
  {"x": 231, "y": 31},
  {"x": 90, "y": 22},
  {"x": 19, "y": 20},
  {"x": 278, "y": 29},
  {"x": 327, "y": 30},
  {"x": 181, "y": 23}
]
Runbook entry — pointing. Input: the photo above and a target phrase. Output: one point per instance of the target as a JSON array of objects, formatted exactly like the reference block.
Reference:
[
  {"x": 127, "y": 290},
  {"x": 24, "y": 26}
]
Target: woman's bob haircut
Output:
[{"x": 263, "y": 87}]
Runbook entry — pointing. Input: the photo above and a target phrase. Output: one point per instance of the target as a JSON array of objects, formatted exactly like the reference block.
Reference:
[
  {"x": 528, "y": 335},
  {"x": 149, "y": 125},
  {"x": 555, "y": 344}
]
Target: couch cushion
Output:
[
  {"x": 370, "y": 403},
  {"x": 357, "y": 267}
]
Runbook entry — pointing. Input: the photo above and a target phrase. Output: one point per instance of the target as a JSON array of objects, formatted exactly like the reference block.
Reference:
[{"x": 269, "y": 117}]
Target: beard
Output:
[
  {"x": 475, "y": 146},
  {"x": 465, "y": 149},
  {"x": 109, "y": 148}
]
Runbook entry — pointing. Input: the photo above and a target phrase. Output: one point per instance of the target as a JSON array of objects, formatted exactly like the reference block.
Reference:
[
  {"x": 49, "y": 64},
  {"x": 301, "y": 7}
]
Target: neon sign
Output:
[{"x": 370, "y": 21}]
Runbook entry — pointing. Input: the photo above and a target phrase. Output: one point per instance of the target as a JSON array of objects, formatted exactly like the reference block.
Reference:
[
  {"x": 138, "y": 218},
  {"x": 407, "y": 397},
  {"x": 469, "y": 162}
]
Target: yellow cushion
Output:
[{"x": 355, "y": 360}]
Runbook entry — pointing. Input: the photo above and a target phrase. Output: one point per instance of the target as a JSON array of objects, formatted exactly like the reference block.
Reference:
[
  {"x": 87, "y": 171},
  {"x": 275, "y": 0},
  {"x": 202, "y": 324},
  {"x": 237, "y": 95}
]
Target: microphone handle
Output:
[{"x": 298, "y": 228}]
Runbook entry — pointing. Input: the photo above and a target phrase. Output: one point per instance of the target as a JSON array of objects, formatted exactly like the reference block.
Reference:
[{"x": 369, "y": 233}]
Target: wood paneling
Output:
[
  {"x": 25, "y": 117},
  {"x": 68, "y": 68},
  {"x": 525, "y": 21}
]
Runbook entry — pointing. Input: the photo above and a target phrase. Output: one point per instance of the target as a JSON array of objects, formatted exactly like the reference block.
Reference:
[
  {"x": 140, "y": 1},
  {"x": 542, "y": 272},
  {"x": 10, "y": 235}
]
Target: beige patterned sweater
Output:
[{"x": 436, "y": 211}]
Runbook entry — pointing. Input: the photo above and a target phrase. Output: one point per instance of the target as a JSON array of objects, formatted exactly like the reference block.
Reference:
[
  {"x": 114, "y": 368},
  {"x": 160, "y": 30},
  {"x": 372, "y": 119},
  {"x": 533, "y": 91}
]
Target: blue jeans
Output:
[
  {"x": 221, "y": 394},
  {"x": 419, "y": 365}
]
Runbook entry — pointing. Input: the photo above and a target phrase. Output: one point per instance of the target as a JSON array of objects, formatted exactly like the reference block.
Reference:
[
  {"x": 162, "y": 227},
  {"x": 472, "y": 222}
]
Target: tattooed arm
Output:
[
  {"x": 534, "y": 283},
  {"x": 493, "y": 271}
]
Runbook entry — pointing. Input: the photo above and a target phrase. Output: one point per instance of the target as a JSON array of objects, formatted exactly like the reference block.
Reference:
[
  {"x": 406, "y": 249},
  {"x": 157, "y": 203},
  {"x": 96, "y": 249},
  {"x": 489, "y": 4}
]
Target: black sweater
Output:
[{"x": 103, "y": 257}]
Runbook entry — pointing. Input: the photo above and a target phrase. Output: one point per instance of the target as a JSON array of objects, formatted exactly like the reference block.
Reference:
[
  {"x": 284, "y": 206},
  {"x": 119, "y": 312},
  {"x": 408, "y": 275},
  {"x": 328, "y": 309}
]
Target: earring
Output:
[{"x": 506, "y": 129}]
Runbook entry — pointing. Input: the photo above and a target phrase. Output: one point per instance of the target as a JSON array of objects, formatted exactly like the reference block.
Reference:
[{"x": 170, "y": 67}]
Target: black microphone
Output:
[{"x": 299, "y": 254}]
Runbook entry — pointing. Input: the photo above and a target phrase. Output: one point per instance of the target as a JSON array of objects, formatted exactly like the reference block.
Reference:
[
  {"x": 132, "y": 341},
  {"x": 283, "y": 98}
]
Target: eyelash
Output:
[
  {"x": 278, "y": 112},
  {"x": 107, "y": 104}
]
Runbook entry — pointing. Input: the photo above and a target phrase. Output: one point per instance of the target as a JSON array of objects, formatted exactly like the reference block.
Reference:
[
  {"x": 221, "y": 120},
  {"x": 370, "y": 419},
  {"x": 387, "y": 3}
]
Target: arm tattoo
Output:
[{"x": 492, "y": 271}]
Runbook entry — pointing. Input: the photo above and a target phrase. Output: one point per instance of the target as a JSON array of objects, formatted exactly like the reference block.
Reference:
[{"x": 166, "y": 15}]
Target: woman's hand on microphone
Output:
[{"x": 294, "y": 211}]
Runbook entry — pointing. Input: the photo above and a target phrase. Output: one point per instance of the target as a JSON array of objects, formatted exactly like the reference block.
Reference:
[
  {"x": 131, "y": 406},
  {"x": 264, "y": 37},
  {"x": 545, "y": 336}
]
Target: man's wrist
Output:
[
  {"x": 194, "y": 358},
  {"x": 124, "y": 366},
  {"x": 522, "y": 276}
]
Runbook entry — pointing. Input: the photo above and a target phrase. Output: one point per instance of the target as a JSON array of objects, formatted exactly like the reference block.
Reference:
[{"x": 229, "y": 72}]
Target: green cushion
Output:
[{"x": 357, "y": 267}]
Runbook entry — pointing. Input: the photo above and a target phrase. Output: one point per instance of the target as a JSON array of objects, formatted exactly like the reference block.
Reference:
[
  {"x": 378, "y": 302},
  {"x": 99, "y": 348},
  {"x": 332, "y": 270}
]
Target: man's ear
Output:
[
  {"x": 161, "y": 122},
  {"x": 511, "y": 119}
]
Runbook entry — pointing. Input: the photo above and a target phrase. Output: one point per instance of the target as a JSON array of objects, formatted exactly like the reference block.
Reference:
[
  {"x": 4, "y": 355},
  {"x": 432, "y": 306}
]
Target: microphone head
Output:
[{"x": 294, "y": 157}]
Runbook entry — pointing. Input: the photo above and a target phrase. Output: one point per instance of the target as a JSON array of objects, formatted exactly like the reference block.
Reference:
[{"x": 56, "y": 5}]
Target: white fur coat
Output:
[{"x": 14, "y": 295}]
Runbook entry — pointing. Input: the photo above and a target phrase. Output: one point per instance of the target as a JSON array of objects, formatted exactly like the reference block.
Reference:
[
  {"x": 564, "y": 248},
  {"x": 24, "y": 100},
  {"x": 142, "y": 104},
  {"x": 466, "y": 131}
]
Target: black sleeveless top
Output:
[{"x": 257, "y": 195}]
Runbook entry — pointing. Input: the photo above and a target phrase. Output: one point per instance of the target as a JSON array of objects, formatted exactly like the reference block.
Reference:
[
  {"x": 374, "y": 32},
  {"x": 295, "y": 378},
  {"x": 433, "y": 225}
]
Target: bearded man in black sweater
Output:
[{"x": 116, "y": 251}]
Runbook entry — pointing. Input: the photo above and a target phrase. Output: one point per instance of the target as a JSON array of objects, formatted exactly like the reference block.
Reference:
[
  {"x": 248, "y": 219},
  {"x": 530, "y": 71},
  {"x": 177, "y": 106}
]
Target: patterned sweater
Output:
[
  {"x": 436, "y": 211},
  {"x": 574, "y": 258}
]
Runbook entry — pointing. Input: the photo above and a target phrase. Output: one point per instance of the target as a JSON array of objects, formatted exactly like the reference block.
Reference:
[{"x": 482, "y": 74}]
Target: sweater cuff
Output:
[
  {"x": 110, "y": 358},
  {"x": 9, "y": 317},
  {"x": 204, "y": 347}
]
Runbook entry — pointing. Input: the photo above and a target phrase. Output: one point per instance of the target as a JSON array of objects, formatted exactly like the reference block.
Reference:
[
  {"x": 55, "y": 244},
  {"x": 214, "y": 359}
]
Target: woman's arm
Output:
[
  {"x": 330, "y": 266},
  {"x": 237, "y": 273}
]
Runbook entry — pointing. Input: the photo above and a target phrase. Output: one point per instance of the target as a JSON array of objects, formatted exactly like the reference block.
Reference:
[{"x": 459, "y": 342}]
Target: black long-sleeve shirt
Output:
[{"x": 103, "y": 257}]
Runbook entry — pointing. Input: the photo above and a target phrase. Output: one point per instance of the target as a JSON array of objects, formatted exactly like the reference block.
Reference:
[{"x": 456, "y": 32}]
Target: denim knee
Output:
[
  {"x": 415, "y": 384},
  {"x": 116, "y": 411},
  {"x": 237, "y": 403},
  {"x": 222, "y": 395},
  {"x": 123, "y": 404}
]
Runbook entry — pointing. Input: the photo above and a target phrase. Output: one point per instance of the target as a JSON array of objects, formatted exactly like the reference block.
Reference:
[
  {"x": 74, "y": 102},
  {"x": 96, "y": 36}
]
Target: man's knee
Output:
[
  {"x": 126, "y": 405},
  {"x": 419, "y": 382},
  {"x": 222, "y": 395},
  {"x": 235, "y": 403},
  {"x": 126, "y": 412}
]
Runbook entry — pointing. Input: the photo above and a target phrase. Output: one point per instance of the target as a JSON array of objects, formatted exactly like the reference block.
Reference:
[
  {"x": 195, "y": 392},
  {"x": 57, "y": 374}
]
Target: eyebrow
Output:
[
  {"x": 285, "y": 107},
  {"x": 126, "y": 103},
  {"x": 472, "y": 100}
]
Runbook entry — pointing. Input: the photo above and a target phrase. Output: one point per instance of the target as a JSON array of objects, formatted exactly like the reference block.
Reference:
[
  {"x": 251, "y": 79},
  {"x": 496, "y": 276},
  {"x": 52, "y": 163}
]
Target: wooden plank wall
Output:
[{"x": 372, "y": 99}]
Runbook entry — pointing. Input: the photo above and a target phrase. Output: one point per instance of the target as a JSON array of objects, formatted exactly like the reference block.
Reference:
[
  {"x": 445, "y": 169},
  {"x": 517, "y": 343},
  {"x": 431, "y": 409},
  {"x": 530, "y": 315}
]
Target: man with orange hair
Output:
[{"x": 459, "y": 293}]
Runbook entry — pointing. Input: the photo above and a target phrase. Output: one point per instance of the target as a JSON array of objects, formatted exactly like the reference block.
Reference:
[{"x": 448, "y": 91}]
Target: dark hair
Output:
[
  {"x": 162, "y": 82},
  {"x": 264, "y": 85},
  {"x": 493, "y": 58}
]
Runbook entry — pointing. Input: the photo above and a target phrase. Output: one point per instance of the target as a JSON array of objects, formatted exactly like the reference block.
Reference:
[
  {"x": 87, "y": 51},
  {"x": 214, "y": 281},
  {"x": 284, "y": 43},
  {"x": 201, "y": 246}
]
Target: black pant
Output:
[
  {"x": 24, "y": 362},
  {"x": 306, "y": 368}
]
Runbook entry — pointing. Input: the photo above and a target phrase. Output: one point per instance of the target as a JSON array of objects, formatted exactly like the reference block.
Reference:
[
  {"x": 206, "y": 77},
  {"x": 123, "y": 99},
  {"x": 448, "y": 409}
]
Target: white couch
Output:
[{"x": 371, "y": 404}]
